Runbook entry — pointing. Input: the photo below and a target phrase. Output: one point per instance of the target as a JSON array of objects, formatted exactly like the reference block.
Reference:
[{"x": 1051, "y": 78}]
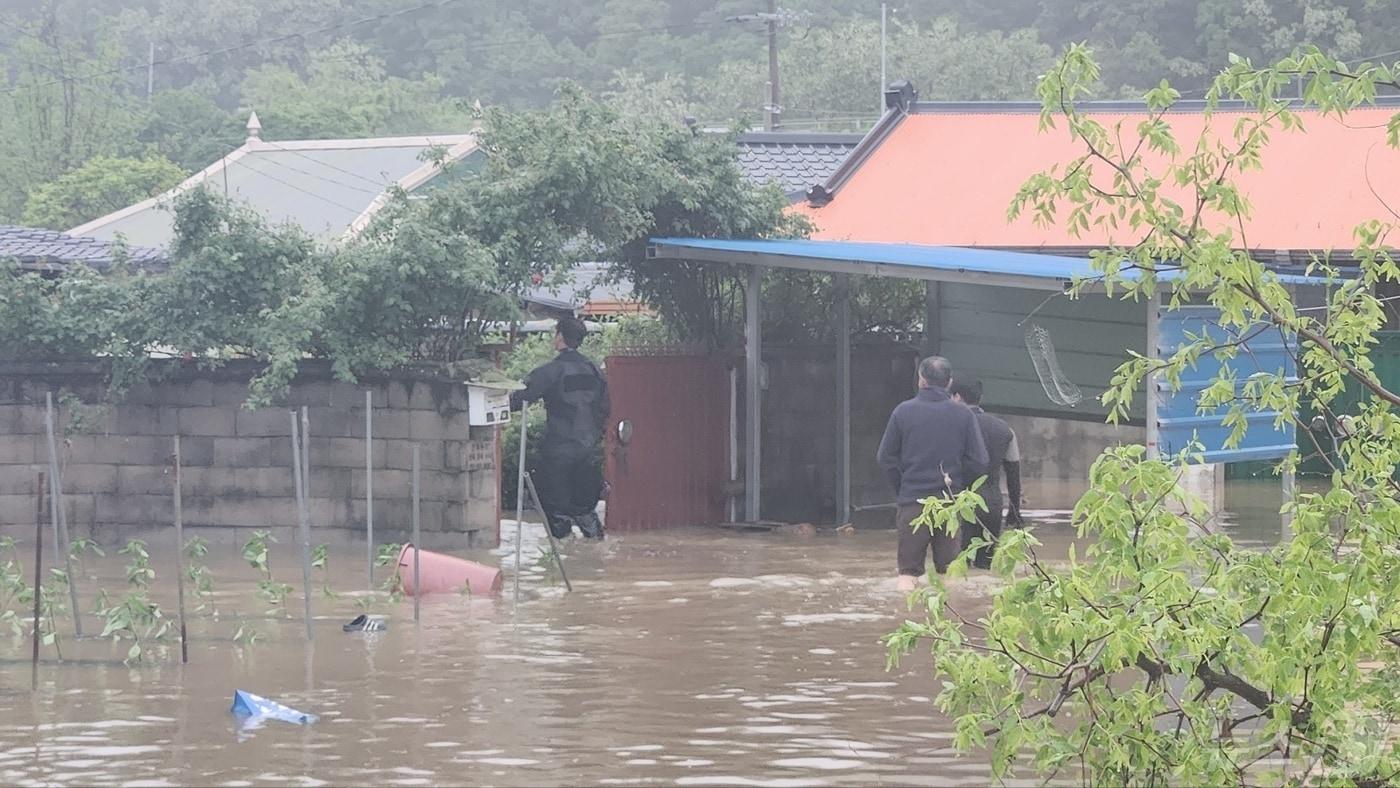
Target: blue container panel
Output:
[{"x": 1179, "y": 416}]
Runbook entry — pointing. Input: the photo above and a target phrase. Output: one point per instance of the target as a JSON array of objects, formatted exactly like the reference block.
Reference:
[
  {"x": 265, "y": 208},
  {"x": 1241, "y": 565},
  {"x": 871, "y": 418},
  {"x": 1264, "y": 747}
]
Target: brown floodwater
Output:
[{"x": 683, "y": 657}]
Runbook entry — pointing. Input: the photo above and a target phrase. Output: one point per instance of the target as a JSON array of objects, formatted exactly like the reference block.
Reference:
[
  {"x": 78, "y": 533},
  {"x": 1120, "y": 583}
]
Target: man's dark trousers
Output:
[{"x": 569, "y": 483}]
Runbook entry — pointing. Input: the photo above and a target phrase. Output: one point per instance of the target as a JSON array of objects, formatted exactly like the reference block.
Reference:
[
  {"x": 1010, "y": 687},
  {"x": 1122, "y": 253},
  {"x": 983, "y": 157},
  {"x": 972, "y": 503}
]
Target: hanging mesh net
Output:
[{"x": 1058, "y": 387}]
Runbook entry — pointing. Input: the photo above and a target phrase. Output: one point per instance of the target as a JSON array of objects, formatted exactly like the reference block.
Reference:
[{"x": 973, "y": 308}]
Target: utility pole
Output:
[
  {"x": 772, "y": 18},
  {"x": 774, "y": 106},
  {"x": 883, "y": 79},
  {"x": 150, "y": 71}
]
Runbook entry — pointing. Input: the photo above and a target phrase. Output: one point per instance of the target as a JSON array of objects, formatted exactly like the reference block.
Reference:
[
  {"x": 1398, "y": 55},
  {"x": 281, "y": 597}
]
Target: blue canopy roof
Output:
[{"x": 907, "y": 261}]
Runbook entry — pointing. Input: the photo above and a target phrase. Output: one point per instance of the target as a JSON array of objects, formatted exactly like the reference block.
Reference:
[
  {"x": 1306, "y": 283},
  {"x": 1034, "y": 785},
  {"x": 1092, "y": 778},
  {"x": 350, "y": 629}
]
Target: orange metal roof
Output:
[{"x": 947, "y": 179}]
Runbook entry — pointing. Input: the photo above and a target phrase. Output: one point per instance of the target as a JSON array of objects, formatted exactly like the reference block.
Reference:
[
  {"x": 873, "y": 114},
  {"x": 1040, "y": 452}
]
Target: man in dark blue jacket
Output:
[
  {"x": 931, "y": 447},
  {"x": 567, "y": 472}
]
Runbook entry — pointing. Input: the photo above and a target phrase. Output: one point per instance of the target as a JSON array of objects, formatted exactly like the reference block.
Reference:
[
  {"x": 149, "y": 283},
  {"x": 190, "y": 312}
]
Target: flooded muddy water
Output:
[{"x": 683, "y": 657}]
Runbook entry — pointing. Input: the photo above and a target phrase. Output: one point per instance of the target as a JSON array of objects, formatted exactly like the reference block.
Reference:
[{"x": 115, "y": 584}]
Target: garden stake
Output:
[
  {"x": 553, "y": 543},
  {"x": 303, "y": 525},
  {"x": 180, "y": 557},
  {"x": 38, "y": 572},
  {"x": 417, "y": 547},
  {"x": 60, "y": 518},
  {"x": 520, "y": 494}
]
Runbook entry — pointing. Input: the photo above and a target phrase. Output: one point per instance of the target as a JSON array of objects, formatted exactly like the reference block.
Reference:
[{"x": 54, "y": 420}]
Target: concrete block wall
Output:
[
  {"x": 1056, "y": 455},
  {"x": 237, "y": 463}
]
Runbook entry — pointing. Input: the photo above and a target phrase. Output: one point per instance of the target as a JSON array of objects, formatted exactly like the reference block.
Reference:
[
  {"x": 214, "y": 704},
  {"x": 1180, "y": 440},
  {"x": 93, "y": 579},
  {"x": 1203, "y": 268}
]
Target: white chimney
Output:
[{"x": 254, "y": 127}]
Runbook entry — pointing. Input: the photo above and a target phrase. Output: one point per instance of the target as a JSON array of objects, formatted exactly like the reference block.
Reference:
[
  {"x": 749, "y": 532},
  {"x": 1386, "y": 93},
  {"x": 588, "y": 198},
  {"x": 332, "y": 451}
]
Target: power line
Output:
[
  {"x": 332, "y": 181},
  {"x": 307, "y": 192},
  {"x": 377, "y": 184}
]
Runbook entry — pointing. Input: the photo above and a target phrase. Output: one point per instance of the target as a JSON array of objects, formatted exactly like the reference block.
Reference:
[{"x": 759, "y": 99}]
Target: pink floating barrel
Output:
[{"x": 445, "y": 573}]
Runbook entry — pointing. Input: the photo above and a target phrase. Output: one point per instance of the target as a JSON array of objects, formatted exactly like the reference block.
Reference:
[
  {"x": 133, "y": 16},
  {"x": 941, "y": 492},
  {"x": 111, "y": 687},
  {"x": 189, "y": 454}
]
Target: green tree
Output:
[
  {"x": 102, "y": 185},
  {"x": 50, "y": 120},
  {"x": 188, "y": 128},
  {"x": 1167, "y": 654},
  {"x": 347, "y": 93}
]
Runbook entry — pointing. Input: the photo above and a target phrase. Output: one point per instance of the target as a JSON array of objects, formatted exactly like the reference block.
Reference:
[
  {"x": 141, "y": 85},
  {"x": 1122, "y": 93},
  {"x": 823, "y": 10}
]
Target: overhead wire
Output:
[{"x": 323, "y": 198}]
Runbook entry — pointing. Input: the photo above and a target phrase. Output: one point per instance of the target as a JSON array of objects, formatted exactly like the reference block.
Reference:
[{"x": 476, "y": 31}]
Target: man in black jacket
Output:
[
  {"x": 567, "y": 472},
  {"x": 1002, "y": 455},
  {"x": 932, "y": 447}
]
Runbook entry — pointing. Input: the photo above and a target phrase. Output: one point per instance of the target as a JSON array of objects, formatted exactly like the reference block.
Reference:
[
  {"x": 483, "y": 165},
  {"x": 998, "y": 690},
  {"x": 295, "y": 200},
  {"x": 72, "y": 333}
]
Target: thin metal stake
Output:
[
  {"x": 60, "y": 518},
  {"x": 306, "y": 459},
  {"x": 417, "y": 539},
  {"x": 520, "y": 494},
  {"x": 553, "y": 543},
  {"x": 38, "y": 573},
  {"x": 180, "y": 556},
  {"x": 369, "y": 489},
  {"x": 303, "y": 524}
]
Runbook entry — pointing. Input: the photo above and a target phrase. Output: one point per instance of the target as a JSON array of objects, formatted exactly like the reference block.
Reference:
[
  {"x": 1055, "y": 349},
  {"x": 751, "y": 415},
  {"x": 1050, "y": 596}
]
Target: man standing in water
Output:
[
  {"x": 931, "y": 447},
  {"x": 567, "y": 473},
  {"x": 1002, "y": 454}
]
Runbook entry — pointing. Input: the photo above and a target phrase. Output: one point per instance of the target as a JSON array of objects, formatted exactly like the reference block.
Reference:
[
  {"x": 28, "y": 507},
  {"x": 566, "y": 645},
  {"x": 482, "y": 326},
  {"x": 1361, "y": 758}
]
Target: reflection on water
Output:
[{"x": 688, "y": 657}]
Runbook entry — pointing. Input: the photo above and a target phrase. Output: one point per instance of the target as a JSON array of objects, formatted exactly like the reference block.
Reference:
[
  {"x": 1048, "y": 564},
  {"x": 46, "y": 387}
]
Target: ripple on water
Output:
[
  {"x": 732, "y": 582},
  {"x": 777, "y": 782},
  {"x": 508, "y": 761},
  {"x": 819, "y": 764},
  {"x": 802, "y": 619}
]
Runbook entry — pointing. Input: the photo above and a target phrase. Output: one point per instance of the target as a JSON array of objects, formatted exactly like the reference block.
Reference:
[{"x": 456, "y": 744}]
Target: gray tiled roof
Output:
[
  {"x": 793, "y": 160},
  {"x": 43, "y": 250},
  {"x": 584, "y": 283}
]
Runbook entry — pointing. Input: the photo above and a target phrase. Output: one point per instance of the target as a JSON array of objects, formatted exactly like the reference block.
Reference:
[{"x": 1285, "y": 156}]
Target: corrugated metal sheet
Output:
[
  {"x": 947, "y": 178},
  {"x": 913, "y": 261},
  {"x": 1179, "y": 417},
  {"x": 673, "y": 470},
  {"x": 981, "y": 331}
]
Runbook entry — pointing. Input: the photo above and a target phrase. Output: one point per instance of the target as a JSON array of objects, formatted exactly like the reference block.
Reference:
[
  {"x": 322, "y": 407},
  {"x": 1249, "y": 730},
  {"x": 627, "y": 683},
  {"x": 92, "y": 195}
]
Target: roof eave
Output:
[{"x": 821, "y": 194}]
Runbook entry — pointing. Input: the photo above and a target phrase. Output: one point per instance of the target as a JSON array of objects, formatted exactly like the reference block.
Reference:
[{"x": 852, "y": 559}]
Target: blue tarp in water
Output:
[{"x": 246, "y": 704}]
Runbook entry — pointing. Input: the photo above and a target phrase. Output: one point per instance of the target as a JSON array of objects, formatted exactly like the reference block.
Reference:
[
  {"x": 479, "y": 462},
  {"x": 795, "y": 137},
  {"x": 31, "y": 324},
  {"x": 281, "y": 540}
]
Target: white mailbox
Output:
[{"x": 487, "y": 405}]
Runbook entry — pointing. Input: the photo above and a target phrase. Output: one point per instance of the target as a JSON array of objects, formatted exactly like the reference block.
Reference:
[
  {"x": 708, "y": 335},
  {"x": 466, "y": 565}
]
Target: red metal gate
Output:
[{"x": 673, "y": 469}]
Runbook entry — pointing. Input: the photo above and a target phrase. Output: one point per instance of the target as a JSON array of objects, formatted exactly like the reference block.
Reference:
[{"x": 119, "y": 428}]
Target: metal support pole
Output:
[
  {"x": 369, "y": 489},
  {"x": 843, "y": 398},
  {"x": 303, "y": 522},
  {"x": 1154, "y": 352},
  {"x": 417, "y": 538},
  {"x": 59, "y": 515},
  {"x": 753, "y": 370},
  {"x": 553, "y": 543},
  {"x": 520, "y": 494},
  {"x": 1290, "y": 482},
  {"x": 933, "y": 336},
  {"x": 180, "y": 555},
  {"x": 734, "y": 440}
]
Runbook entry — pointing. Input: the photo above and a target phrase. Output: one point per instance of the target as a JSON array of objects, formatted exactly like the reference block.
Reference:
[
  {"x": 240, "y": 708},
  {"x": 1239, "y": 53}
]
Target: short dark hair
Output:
[
  {"x": 969, "y": 391},
  {"x": 572, "y": 330},
  {"x": 936, "y": 371}
]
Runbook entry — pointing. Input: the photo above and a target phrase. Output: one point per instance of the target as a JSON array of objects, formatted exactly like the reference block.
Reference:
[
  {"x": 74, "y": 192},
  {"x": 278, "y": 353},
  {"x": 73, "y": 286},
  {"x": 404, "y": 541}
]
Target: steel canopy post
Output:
[
  {"x": 843, "y": 398},
  {"x": 753, "y": 370}
]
